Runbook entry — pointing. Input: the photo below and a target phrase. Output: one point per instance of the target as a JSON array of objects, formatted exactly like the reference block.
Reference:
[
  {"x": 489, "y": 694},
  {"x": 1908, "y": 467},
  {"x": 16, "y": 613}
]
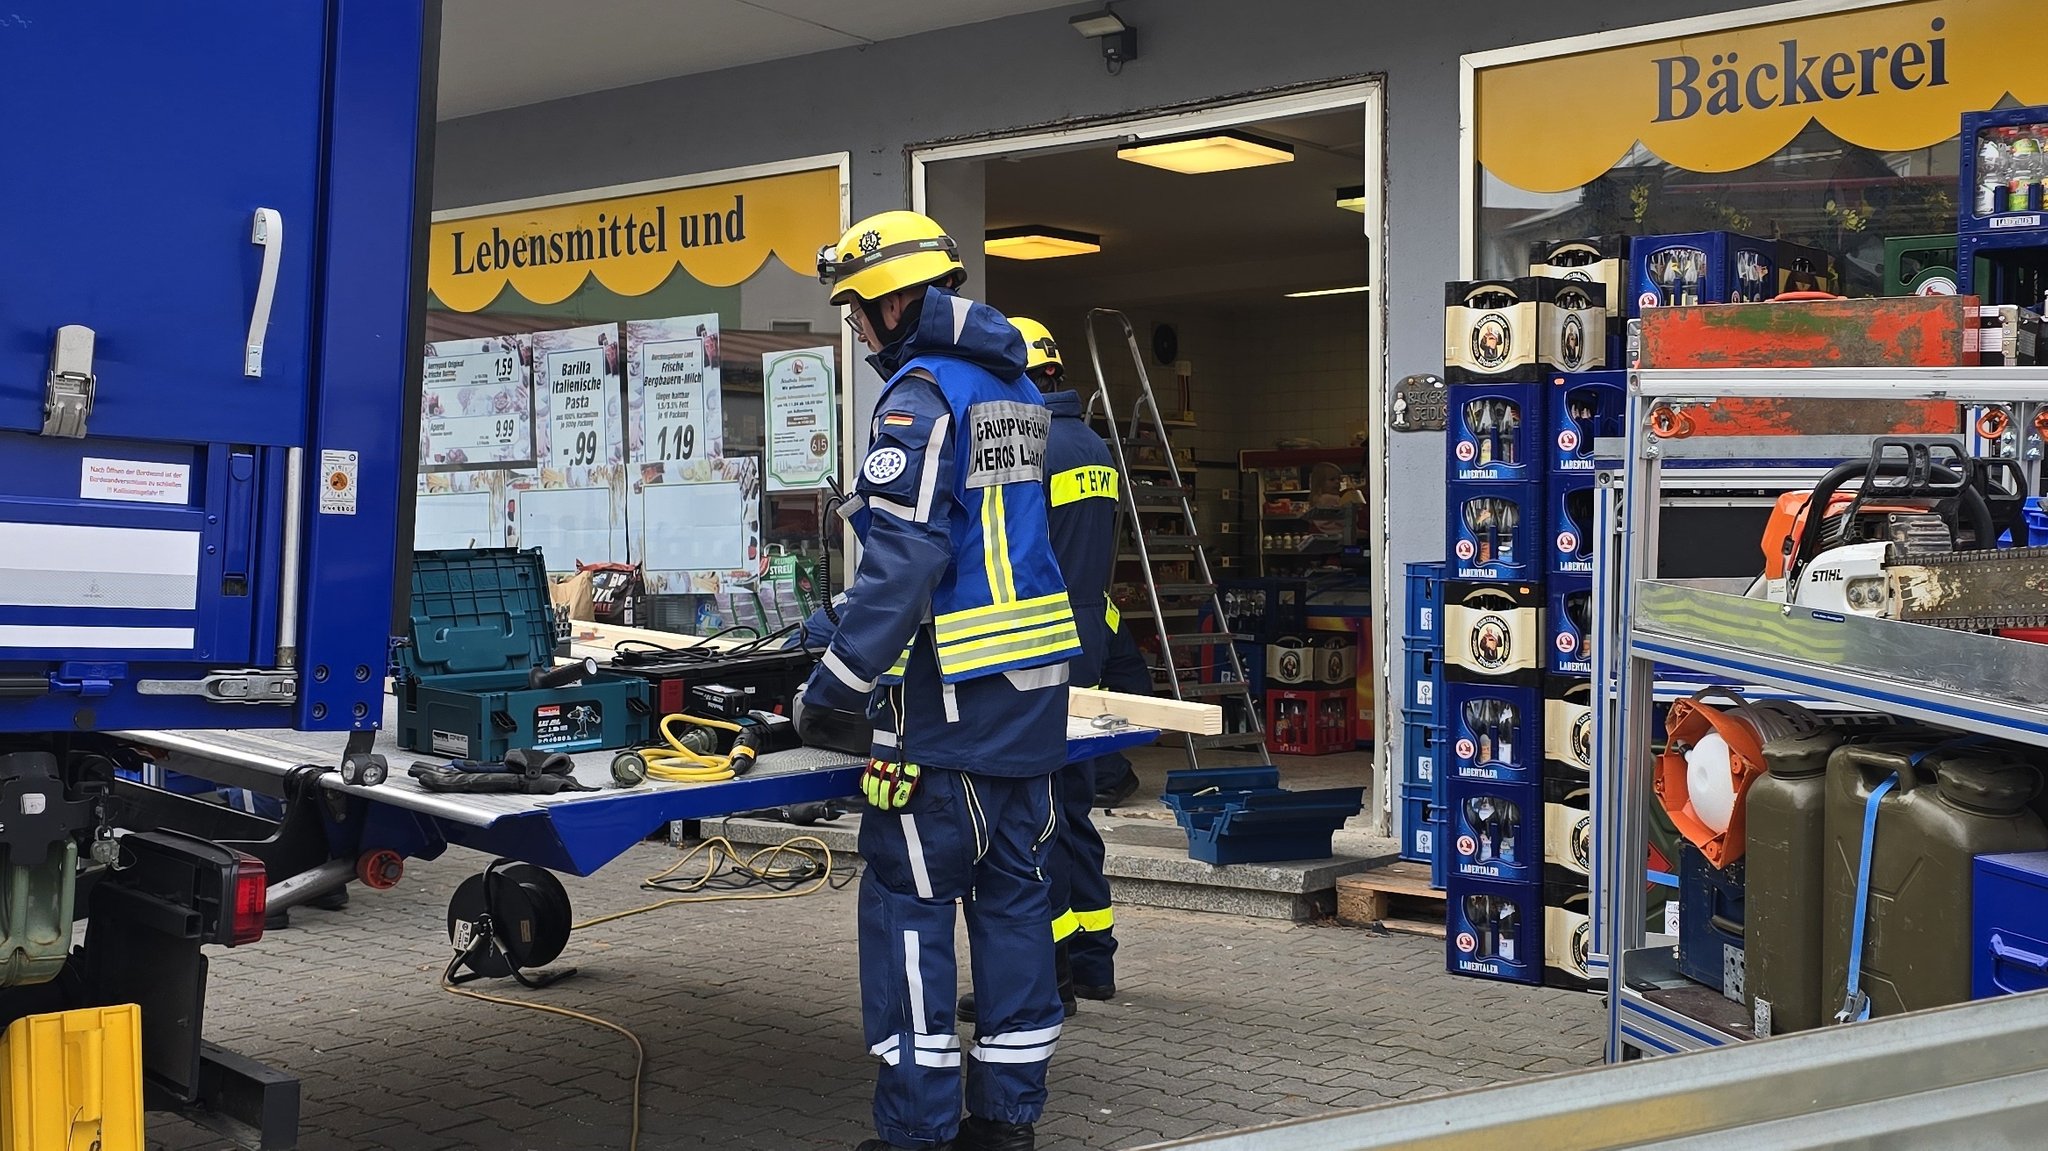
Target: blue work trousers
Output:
[{"x": 981, "y": 841}]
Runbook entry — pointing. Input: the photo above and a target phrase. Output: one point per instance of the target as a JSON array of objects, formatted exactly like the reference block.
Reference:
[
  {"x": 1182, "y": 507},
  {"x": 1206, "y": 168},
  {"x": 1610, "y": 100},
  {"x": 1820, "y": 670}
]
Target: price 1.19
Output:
[{"x": 675, "y": 443}]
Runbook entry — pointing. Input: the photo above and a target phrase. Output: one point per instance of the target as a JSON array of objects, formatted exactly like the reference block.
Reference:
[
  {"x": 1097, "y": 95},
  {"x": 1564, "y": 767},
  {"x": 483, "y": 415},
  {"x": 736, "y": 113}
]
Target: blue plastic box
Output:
[
  {"x": 1569, "y": 624},
  {"x": 1494, "y": 930},
  {"x": 1710, "y": 915},
  {"x": 2009, "y": 924},
  {"x": 1583, "y": 407},
  {"x": 1496, "y": 432},
  {"x": 1243, "y": 815},
  {"x": 1495, "y": 530},
  {"x": 1701, "y": 268},
  {"x": 1424, "y": 757},
  {"x": 1425, "y": 602},
  {"x": 1494, "y": 732},
  {"x": 1496, "y": 830}
]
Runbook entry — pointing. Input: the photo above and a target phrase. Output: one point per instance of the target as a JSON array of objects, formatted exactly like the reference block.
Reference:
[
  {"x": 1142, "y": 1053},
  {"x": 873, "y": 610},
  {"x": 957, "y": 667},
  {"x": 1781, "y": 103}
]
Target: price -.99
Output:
[
  {"x": 584, "y": 452},
  {"x": 675, "y": 443}
]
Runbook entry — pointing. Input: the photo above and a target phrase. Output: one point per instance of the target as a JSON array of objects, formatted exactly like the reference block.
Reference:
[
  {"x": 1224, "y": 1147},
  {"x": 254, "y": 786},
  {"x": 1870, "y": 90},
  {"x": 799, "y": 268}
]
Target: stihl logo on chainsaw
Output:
[{"x": 1827, "y": 575}]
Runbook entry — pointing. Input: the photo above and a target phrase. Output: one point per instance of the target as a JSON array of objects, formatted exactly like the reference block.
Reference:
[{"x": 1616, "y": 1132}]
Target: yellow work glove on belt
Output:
[{"x": 889, "y": 786}]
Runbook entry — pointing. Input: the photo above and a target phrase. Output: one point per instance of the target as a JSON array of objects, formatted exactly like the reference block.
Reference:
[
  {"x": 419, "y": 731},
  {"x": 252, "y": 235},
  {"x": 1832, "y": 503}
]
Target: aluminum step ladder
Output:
[{"x": 1173, "y": 607}]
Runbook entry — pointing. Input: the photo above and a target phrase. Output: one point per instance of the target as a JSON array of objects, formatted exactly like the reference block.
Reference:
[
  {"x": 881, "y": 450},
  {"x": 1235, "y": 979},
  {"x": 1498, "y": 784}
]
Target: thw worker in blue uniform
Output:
[
  {"x": 954, "y": 639},
  {"x": 1082, "y": 485}
]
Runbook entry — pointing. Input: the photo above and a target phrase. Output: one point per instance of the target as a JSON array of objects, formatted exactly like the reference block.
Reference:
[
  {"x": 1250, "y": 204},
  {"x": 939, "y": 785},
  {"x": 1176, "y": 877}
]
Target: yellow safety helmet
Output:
[
  {"x": 888, "y": 252},
  {"x": 1041, "y": 351}
]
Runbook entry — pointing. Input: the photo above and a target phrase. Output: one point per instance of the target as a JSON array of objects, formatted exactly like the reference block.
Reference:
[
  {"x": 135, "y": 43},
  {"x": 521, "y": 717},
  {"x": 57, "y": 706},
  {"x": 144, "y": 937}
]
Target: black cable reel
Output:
[{"x": 510, "y": 919}]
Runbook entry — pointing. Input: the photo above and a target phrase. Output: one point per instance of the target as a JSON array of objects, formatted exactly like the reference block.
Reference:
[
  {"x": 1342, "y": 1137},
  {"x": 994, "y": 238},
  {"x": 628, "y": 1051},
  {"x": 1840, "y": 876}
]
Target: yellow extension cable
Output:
[
  {"x": 676, "y": 763},
  {"x": 719, "y": 851}
]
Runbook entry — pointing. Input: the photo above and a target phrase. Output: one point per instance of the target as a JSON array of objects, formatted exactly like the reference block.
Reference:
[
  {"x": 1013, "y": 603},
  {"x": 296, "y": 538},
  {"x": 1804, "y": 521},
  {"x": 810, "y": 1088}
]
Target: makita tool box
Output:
[{"x": 475, "y": 675}]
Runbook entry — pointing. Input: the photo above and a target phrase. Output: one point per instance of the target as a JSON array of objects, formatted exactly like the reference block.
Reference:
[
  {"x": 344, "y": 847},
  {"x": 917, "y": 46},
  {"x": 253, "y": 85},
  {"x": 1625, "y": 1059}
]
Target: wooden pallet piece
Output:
[{"x": 1396, "y": 897}]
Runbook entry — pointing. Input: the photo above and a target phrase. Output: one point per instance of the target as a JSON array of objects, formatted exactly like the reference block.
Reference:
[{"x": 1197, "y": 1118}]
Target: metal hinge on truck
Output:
[{"x": 251, "y": 686}]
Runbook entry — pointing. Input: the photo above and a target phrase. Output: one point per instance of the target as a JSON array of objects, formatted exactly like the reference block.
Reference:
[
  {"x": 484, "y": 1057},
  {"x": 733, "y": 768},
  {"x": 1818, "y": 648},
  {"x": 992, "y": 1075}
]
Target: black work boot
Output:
[
  {"x": 978, "y": 1134},
  {"x": 964, "y": 1008}
]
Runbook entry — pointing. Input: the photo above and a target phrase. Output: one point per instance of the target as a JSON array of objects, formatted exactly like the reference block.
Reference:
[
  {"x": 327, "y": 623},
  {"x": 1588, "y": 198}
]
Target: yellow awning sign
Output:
[
  {"x": 720, "y": 234},
  {"x": 1890, "y": 79}
]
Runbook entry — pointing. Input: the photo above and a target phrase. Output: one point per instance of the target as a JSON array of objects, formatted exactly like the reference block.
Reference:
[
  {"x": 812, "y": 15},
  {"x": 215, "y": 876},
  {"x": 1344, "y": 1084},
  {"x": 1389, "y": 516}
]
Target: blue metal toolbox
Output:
[
  {"x": 2009, "y": 924},
  {"x": 1243, "y": 815},
  {"x": 479, "y": 626}
]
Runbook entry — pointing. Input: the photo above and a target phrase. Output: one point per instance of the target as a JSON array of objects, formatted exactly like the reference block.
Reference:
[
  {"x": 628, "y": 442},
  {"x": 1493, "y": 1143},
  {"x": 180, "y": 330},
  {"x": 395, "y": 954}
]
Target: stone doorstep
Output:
[{"x": 1149, "y": 876}]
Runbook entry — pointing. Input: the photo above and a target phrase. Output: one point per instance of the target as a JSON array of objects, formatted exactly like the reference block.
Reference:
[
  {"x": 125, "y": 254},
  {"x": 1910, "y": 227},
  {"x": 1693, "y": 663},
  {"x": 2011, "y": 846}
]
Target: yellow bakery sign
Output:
[
  {"x": 720, "y": 234},
  {"x": 1891, "y": 79}
]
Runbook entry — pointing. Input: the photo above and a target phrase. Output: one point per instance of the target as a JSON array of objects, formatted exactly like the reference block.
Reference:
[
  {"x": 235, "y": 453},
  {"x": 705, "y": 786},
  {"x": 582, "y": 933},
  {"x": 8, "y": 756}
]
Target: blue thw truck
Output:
[{"x": 208, "y": 295}]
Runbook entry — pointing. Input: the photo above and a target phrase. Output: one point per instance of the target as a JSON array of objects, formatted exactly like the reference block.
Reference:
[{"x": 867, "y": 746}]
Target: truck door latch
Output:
[
  {"x": 68, "y": 391},
  {"x": 253, "y": 686}
]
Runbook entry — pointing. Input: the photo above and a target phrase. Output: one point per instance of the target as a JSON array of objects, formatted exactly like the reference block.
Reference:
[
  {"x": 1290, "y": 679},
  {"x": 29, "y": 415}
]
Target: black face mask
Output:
[{"x": 890, "y": 358}]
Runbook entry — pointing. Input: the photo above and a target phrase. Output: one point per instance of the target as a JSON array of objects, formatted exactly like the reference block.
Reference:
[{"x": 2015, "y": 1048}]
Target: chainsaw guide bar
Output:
[{"x": 1970, "y": 591}]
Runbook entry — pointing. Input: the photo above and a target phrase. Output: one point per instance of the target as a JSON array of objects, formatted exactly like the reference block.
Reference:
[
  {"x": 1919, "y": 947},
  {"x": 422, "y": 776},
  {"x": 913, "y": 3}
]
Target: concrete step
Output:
[{"x": 1148, "y": 866}]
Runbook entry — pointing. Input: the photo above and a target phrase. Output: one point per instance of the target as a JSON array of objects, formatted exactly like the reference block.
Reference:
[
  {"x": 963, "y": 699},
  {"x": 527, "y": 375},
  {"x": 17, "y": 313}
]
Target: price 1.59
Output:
[
  {"x": 583, "y": 452},
  {"x": 675, "y": 443}
]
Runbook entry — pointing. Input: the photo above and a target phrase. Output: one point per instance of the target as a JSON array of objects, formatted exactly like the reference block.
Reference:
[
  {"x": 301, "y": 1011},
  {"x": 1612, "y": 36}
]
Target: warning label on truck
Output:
[
  {"x": 569, "y": 726},
  {"x": 337, "y": 483}
]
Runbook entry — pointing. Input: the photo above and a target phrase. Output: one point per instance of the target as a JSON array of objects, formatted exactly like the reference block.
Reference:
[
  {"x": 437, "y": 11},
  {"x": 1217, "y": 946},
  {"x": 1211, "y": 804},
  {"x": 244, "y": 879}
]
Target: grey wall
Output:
[{"x": 1031, "y": 70}]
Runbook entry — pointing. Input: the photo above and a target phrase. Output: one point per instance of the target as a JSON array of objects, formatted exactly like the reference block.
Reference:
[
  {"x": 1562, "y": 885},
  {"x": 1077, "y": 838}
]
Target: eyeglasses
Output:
[{"x": 852, "y": 319}]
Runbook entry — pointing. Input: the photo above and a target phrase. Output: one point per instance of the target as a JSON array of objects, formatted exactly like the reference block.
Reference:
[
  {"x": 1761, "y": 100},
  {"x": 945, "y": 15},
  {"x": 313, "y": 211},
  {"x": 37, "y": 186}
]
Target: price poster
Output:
[
  {"x": 802, "y": 446},
  {"x": 677, "y": 411},
  {"x": 697, "y": 526},
  {"x": 476, "y": 403},
  {"x": 573, "y": 505}
]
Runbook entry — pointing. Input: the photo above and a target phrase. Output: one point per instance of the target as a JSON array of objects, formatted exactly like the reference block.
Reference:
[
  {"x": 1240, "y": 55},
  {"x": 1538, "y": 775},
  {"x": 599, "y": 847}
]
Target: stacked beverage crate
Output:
[
  {"x": 1423, "y": 757},
  {"x": 1511, "y": 348}
]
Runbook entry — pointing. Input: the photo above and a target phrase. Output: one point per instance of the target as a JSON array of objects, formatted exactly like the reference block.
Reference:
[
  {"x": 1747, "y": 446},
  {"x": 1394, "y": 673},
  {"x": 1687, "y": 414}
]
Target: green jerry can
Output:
[
  {"x": 1782, "y": 918},
  {"x": 1957, "y": 802}
]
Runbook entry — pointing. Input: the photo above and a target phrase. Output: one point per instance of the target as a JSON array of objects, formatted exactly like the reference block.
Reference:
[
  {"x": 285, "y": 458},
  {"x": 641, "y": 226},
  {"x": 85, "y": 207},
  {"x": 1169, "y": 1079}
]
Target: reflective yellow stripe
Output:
[
  {"x": 1008, "y": 594},
  {"x": 1115, "y": 617},
  {"x": 1013, "y": 636},
  {"x": 1064, "y": 924},
  {"x": 988, "y": 543},
  {"x": 1092, "y": 920},
  {"x": 1093, "y": 482},
  {"x": 957, "y": 625},
  {"x": 1042, "y": 617},
  {"x": 902, "y": 663},
  {"x": 1066, "y": 643}
]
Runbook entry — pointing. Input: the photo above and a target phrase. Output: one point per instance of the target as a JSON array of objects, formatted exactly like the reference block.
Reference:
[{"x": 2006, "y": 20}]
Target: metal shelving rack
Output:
[{"x": 1974, "y": 683}]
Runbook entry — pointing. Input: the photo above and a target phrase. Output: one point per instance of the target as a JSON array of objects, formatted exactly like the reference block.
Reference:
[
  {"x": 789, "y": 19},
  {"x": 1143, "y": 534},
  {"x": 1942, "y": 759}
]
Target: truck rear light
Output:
[{"x": 250, "y": 899}]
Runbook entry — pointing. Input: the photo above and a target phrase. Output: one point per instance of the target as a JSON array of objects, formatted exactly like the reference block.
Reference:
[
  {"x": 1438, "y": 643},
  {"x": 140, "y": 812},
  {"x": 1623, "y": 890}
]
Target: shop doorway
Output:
[{"x": 1252, "y": 291}]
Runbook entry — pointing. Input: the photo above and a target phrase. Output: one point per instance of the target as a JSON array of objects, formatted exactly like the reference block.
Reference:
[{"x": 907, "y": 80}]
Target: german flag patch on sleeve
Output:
[{"x": 898, "y": 420}]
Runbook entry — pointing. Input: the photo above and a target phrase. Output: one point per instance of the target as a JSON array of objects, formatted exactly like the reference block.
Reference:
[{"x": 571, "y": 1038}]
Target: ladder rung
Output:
[
  {"x": 1166, "y": 557},
  {"x": 1206, "y": 639},
  {"x": 1156, "y": 509},
  {"x": 1207, "y": 690},
  {"x": 1172, "y": 541},
  {"x": 1229, "y": 739},
  {"x": 1169, "y": 613},
  {"x": 1176, "y": 588}
]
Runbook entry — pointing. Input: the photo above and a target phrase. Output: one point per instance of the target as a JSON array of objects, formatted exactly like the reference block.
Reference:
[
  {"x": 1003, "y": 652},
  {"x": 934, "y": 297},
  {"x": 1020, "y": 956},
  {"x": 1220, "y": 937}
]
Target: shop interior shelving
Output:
[
  {"x": 1291, "y": 534},
  {"x": 1960, "y": 680}
]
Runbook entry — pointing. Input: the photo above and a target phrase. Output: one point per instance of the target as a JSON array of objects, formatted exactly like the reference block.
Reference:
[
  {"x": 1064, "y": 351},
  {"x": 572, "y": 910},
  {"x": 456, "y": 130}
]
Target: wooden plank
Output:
[
  {"x": 1433, "y": 928},
  {"x": 1146, "y": 711}
]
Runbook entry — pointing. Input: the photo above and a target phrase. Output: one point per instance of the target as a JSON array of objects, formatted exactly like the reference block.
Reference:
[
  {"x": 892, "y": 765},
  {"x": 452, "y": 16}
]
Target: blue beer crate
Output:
[
  {"x": 1495, "y": 530},
  {"x": 1495, "y": 830},
  {"x": 1426, "y": 601},
  {"x": 1701, "y": 268},
  {"x": 1422, "y": 829},
  {"x": 1423, "y": 690},
  {"x": 1494, "y": 930},
  {"x": 1583, "y": 407},
  {"x": 1494, "y": 732},
  {"x": 1496, "y": 433},
  {"x": 1424, "y": 756},
  {"x": 1569, "y": 524},
  {"x": 1998, "y": 202},
  {"x": 1570, "y": 623}
]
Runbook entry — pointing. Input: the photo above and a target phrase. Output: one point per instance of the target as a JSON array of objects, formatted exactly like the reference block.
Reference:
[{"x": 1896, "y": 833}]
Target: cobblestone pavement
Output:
[{"x": 751, "y": 1019}]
